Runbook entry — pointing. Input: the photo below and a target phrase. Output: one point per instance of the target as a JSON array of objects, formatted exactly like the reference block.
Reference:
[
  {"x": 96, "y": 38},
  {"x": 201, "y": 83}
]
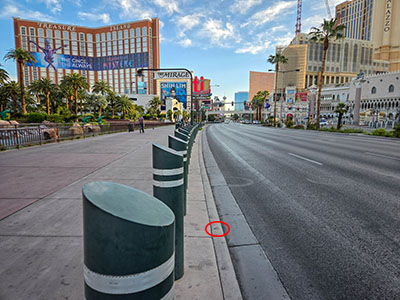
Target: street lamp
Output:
[
  {"x": 356, "y": 112},
  {"x": 311, "y": 109},
  {"x": 140, "y": 73}
]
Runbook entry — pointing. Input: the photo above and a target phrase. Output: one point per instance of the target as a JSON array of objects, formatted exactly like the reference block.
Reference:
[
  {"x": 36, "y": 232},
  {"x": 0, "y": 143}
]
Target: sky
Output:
[{"x": 221, "y": 40}]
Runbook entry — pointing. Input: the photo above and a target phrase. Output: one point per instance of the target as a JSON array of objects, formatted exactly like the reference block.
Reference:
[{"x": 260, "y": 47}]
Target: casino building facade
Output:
[{"x": 111, "y": 53}]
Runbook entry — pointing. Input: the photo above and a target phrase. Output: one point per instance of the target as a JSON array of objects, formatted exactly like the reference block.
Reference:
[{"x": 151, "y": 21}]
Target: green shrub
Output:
[
  {"x": 379, "y": 132},
  {"x": 70, "y": 118},
  {"x": 54, "y": 118},
  {"x": 389, "y": 133},
  {"x": 35, "y": 117},
  {"x": 311, "y": 126},
  {"x": 289, "y": 123},
  {"x": 298, "y": 126},
  {"x": 353, "y": 130},
  {"x": 396, "y": 132}
]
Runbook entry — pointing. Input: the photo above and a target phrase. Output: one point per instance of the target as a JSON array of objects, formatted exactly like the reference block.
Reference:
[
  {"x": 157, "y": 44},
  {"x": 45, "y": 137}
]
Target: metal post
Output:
[
  {"x": 128, "y": 243},
  {"x": 40, "y": 135},
  {"x": 168, "y": 186},
  {"x": 181, "y": 147},
  {"x": 186, "y": 138}
]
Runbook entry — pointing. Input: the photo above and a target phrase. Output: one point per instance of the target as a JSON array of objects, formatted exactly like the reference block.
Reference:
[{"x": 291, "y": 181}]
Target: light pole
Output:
[
  {"x": 356, "y": 112},
  {"x": 276, "y": 88},
  {"x": 311, "y": 109},
  {"x": 140, "y": 73}
]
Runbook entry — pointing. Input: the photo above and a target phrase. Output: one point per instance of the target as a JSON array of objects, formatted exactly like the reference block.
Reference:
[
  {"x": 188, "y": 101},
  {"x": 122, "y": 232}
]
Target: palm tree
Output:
[
  {"x": 11, "y": 89},
  {"x": 35, "y": 89},
  {"x": 103, "y": 88},
  {"x": 4, "y": 77},
  {"x": 102, "y": 103},
  {"x": 154, "y": 103},
  {"x": 22, "y": 57},
  {"x": 329, "y": 30},
  {"x": 340, "y": 109},
  {"x": 258, "y": 102},
  {"x": 76, "y": 82},
  {"x": 68, "y": 92},
  {"x": 46, "y": 87},
  {"x": 124, "y": 105},
  {"x": 112, "y": 98},
  {"x": 276, "y": 60}
]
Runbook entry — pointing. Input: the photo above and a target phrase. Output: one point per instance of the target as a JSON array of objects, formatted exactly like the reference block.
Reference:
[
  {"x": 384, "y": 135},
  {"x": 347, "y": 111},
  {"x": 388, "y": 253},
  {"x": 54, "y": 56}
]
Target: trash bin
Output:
[
  {"x": 131, "y": 127},
  {"x": 128, "y": 243}
]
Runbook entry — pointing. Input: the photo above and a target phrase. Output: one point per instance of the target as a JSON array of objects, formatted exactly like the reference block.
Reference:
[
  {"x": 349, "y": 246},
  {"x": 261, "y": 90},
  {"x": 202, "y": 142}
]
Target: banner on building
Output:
[
  {"x": 172, "y": 75},
  {"x": 174, "y": 90},
  {"x": 86, "y": 63},
  {"x": 290, "y": 95},
  {"x": 301, "y": 97}
]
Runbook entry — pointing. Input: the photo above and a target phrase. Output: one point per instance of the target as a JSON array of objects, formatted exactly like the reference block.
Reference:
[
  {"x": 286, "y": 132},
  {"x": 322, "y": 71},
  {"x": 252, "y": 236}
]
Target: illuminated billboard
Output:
[
  {"x": 174, "y": 90},
  {"x": 86, "y": 63}
]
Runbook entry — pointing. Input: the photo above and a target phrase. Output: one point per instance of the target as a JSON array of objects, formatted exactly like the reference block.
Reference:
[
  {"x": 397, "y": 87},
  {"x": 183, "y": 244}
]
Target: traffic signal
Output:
[{"x": 232, "y": 103}]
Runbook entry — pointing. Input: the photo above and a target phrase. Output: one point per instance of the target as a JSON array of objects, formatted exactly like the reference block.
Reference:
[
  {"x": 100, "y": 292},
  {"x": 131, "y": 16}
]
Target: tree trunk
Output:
[
  {"x": 76, "y": 102},
  {"x": 326, "y": 45},
  {"x": 339, "y": 121},
  {"x": 21, "y": 84},
  {"x": 276, "y": 90},
  {"x": 38, "y": 98},
  {"x": 72, "y": 100},
  {"x": 123, "y": 115},
  {"x": 48, "y": 103},
  {"x": 66, "y": 102},
  {"x": 15, "y": 102},
  {"x": 99, "y": 111}
]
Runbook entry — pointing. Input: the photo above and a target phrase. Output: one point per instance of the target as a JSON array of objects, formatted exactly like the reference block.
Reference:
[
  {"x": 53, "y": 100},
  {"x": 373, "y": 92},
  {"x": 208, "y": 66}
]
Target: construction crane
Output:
[
  {"x": 328, "y": 9},
  {"x": 298, "y": 23}
]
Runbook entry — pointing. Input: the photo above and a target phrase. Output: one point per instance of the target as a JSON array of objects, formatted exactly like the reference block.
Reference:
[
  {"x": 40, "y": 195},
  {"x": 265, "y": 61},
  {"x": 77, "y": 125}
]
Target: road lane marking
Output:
[
  {"x": 384, "y": 156},
  {"x": 304, "y": 158}
]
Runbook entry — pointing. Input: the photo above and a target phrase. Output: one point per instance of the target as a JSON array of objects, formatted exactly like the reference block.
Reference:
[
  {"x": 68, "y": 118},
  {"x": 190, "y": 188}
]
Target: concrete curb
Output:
[
  {"x": 256, "y": 275},
  {"x": 229, "y": 282}
]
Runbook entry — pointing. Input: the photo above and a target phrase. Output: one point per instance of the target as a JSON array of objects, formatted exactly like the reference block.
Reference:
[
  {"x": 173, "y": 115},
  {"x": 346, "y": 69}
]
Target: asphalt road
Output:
[{"x": 325, "y": 207}]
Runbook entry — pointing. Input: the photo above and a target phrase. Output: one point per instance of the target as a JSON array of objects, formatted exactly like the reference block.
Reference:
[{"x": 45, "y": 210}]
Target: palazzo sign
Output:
[
  {"x": 388, "y": 16},
  {"x": 172, "y": 75}
]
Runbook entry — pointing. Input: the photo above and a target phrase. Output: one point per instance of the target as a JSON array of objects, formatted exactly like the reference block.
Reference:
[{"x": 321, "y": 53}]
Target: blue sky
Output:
[{"x": 221, "y": 39}]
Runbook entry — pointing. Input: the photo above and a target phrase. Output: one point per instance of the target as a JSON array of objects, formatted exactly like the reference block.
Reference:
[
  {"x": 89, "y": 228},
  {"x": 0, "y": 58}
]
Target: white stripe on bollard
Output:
[
  {"x": 168, "y": 184},
  {"x": 168, "y": 172},
  {"x": 129, "y": 284},
  {"x": 184, "y": 152},
  {"x": 169, "y": 295}
]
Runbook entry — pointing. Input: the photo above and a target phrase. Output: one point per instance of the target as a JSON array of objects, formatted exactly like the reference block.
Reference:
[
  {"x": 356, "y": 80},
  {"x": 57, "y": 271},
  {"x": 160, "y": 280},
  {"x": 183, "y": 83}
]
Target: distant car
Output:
[{"x": 323, "y": 122}]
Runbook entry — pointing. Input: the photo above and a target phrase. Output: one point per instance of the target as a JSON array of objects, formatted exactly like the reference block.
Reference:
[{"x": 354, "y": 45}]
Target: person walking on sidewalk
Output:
[{"x": 141, "y": 124}]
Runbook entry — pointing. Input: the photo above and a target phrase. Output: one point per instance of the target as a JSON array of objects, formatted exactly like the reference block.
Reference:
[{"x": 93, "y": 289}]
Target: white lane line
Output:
[
  {"x": 384, "y": 156},
  {"x": 307, "y": 159}
]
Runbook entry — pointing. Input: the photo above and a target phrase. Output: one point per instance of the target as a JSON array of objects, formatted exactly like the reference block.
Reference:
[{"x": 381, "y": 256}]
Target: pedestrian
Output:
[{"x": 141, "y": 124}]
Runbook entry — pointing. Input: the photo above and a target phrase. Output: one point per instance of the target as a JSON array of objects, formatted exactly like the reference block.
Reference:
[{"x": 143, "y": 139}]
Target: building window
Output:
[
  {"x": 346, "y": 56},
  {"x": 355, "y": 57},
  {"x": 373, "y": 90},
  {"x": 391, "y": 88}
]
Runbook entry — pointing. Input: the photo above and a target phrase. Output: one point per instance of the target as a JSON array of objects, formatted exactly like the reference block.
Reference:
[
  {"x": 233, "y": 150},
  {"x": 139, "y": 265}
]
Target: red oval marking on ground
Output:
[{"x": 221, "y": 235}]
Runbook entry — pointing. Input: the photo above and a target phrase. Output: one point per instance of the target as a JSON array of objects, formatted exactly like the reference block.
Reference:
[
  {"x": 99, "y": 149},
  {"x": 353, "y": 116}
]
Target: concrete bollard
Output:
[
  {"x": 168, "y": 186},
  {"x": 181, "y": 147},
  {"x": 128, "y": 241},
  {"x": 186, "y": 138}
]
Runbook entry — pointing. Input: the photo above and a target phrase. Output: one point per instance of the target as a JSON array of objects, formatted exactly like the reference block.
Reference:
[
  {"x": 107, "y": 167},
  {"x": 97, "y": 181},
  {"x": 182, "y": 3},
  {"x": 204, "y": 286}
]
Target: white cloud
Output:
[
  {"x": 161, "y": 23},
  {"x": 185, "y": 42},
  {"x": 279, "y": 28},
  {"x": 219, "y": 34},
  {"x": 13, "y": 10},
  {"x": 254, "y": 49},
  {"x": 284, "y": 40},
  {"x": 243, "y": 6},
  {"x": 53, "y": 5},
  {"x": 133, "y": 8},
  {"x": 170, "y": 6},
  {"x": 186, "y": 23},
  {"x": 271, "y": 13},
  {"x": 105, "y": 18},
  {"x": 313, "y": 21}
]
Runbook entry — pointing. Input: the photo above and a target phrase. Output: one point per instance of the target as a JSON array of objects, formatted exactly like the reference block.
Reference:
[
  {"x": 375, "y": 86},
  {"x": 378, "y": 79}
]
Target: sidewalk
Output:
[{"x": 41, "y": 215}]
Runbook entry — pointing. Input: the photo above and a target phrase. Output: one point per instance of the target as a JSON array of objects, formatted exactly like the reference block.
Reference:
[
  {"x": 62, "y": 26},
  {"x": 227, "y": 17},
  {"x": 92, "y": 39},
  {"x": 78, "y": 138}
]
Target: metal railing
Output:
[{"x": 16, "y": 136}]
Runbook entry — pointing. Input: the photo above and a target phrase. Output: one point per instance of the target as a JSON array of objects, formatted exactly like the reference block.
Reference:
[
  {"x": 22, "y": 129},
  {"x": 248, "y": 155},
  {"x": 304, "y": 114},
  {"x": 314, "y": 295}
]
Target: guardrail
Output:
[{"x": 16, "y": 136}]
